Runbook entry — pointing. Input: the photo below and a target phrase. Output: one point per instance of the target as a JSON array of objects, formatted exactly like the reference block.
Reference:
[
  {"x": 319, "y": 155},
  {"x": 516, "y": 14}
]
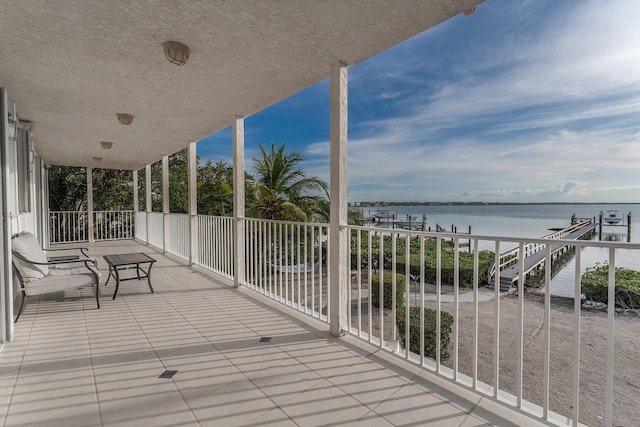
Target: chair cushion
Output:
[
  {"x": 58, "y": 283},
  {"x": 28, "y": 246},
  {"x": 73, "y": 268}
]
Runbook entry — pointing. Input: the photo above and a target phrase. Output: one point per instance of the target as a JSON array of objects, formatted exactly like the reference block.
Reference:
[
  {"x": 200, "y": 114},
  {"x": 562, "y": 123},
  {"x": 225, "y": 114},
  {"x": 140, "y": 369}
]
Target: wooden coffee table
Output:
[{"x": 132, "y": 261}]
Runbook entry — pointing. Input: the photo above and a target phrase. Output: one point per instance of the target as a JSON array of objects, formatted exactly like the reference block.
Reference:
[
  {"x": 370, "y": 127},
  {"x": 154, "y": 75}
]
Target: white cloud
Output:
[{"x": 551, "y": 115}]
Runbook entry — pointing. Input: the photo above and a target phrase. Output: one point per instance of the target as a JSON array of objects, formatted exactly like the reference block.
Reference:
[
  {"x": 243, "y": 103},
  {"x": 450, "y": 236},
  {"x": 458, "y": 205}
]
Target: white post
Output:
[
  {"x": 148, "y": 205},
  {"x": 339, "y": 237},
  {"x": 238, "y": 201},
  {"x": 165, "y": 203},
  {"x": 90, "y": 203},
  {"x": 193, "y": 202},
  {"x": 6, "y": 276},
  {"x": 136, "y": 203}
]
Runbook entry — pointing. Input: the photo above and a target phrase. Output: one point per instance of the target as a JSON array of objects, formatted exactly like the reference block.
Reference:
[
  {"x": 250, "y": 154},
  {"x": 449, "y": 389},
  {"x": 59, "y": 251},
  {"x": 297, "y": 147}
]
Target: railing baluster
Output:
[
  {"x": 456, "y": 290},
  {"x": 496, "y": 349},
  {"x": 476, "y": 273},
  {"x": 520, "y": 326},
  {"x": 306, "y": 262},
  {"x": 313, "y": 276},
  {"x": 422, "y": 272},
  {"x": 438, "y": 299},
  {"x": 369, "y": 285},
  {"x": 359, "y": 276},
  {"x": 611, "y": 307},
  {"x": 381, "y": 289},
  {"x": 547, "y": 331},
  {"x": 394, "y": 314},
  {"x": 577, "y": 301},
  {"x": 328, "y": 268},
  {"x": 300, "y": 271},
  {"x": 407, "y": 290}
]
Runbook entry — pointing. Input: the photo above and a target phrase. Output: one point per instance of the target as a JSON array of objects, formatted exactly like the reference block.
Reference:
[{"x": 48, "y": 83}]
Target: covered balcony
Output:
[
  {"x": 264, "y": 322},
  {"x": 241, "y": 359}
]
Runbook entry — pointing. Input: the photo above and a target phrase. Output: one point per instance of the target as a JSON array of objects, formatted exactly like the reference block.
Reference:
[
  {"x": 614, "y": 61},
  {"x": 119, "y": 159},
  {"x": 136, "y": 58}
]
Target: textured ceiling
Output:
[{"x": 70, "y": 66}]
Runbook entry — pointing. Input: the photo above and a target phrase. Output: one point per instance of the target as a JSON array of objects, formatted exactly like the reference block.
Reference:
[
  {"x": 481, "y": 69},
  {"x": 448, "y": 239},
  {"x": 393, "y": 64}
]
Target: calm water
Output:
[{"x": 532, "y": 221}]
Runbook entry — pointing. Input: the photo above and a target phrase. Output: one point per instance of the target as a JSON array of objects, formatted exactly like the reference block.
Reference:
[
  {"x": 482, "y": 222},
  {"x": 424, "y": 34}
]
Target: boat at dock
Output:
[
  {"x": 385, "y": 215},
  {"x": 611, "y": 217},
  {"x": 411, "y": 223}
]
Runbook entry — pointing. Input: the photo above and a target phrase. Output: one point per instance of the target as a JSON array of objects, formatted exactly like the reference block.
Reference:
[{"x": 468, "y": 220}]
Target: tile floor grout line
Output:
[
  {"x": 93, "y": 371},
  {"x": 17, "y": 374},
  {"x": 230, "y": 290},
  {"x": 194, "y": 327}
]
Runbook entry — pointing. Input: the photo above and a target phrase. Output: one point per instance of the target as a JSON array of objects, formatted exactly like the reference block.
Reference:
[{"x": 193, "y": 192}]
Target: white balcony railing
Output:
[
  {"x": 215, "y": 248},
  {"x": 179, "y": 244},
  {"x": 141, "y": 226},
  {"x": 491, "y": 348},
  {"x": 155, "y": 229},
  {"x": 113, "y": 225},
  {"x": 66, "y": 227},
  {"x": 287, "y": 262},
  {"x": 69, "y": 227},
  {"x": 437, "y": 314}
]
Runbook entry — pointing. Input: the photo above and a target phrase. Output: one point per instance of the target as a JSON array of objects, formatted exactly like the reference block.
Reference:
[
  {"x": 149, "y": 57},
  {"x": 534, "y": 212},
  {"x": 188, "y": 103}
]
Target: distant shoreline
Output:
[{"x": 382, "y": 204}]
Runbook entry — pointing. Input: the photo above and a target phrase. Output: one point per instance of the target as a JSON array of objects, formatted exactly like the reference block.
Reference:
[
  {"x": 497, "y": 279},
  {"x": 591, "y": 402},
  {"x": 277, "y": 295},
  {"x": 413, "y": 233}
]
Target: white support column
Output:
[
  {"x": 148, "y": 205},
  {"x": 90, "y": 203},
  {"x": 6, "y": 276},
  {"x": 136, "y": 203},
  {"x": 193, "y": 202},
  {"x": 339, "y": 237},
  {"x": 238, "y": 201},
  {"x": 165, "y": 202}
]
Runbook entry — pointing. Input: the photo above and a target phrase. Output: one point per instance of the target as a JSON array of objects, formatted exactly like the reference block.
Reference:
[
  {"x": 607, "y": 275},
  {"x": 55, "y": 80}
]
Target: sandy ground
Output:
[{"x": 593, "y": 349}]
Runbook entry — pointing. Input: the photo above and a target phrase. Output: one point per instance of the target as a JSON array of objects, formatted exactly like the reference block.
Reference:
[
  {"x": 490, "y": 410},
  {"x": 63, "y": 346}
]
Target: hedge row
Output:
[
  {"x": 430, "y": 328},
  {"x": 430, "y": 316},
  {"x": 595, "y": 285},
  {"x": 388, "y": 290}
]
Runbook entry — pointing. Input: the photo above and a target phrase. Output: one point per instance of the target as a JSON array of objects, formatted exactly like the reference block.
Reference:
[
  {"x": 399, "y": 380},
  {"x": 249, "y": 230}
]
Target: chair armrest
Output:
[
  {"x": 63, "y": 257},
  {"x": 62, "y": 260},
  {"x": 83, "y": 250},
  {"x": 85, "y": 261}
]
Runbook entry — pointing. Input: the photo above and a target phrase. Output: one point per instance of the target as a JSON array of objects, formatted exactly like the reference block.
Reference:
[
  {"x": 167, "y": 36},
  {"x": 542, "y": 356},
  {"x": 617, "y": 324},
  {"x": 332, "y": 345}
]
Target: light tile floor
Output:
[{"x": 73, "y": 365}]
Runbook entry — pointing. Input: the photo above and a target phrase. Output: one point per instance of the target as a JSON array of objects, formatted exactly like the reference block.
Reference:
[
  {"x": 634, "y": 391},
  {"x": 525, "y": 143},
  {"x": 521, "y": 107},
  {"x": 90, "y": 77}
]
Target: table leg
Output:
[
  {"x": 149, "y": 277},
  {"x": 109, "y": 277},
  {"x": 117, "y": 277}
]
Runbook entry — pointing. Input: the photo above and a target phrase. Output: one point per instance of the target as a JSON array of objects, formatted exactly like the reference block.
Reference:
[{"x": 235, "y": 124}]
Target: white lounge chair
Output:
[{"x": 39, "y": 275}]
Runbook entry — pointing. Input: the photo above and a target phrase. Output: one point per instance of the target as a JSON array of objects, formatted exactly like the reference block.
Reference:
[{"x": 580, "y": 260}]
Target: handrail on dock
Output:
[{"x": 512, "y": 257}]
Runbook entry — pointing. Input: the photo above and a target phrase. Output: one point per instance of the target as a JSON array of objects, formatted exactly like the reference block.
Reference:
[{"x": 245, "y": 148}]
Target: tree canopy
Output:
[{"x": 280, "y": 188}]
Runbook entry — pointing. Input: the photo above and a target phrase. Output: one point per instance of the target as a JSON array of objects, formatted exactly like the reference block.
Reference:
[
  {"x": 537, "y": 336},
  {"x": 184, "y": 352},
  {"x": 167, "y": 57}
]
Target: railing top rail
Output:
[
  {"x": 177, "y": 214},
  {"x": 537, "y": 240},
  {"x": 314, "y": 224}
]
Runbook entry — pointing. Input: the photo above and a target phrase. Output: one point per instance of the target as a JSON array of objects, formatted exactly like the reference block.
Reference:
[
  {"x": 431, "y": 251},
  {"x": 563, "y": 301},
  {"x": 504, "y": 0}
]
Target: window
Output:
[{"x": 24, "y": 170}]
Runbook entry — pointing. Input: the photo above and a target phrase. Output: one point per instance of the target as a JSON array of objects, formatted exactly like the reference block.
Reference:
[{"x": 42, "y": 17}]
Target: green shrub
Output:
[
  {"x": 430, "y": 317},
  {"x": 595, "y": 285},
  {"x": 388, "y": 290},
  {"x": 485, "y": 258}
]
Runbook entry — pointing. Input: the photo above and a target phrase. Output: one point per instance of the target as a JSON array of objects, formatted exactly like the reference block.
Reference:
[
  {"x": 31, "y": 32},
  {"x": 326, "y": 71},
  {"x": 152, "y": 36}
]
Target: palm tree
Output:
[
  {"x": 282, "y": 187},
  {"x": 322, "y": 213}
]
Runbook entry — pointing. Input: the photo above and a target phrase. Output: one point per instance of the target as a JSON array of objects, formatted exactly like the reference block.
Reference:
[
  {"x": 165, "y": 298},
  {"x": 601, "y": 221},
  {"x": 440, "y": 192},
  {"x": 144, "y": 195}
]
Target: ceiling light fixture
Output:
[
  {"x": 124, "y": 119},
  {"x": 106, "y": 145},
  {"x": 176, "y": 52},
  {"x": 97, "y": 159}
]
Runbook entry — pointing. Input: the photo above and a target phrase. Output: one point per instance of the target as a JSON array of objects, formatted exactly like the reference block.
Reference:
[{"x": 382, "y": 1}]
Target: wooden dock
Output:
[{"x": 535, "y": 254}]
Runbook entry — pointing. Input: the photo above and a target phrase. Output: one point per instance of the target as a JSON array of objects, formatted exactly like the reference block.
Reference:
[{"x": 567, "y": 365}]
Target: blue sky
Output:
[{"x": 523, "y": 101}]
